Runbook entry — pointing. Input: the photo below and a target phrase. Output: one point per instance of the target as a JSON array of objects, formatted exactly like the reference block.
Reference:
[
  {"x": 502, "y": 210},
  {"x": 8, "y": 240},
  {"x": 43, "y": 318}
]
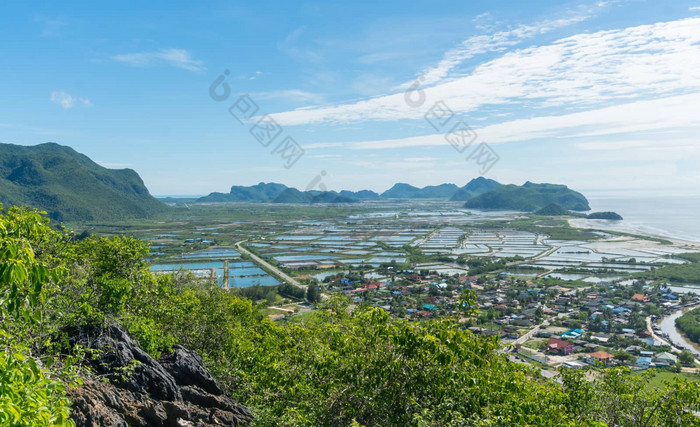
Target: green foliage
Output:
[
  {"x": 689, "y": 324},
  {"x": 555, "y": 228},
  {"x": 312, "y": 294},
  {"x": 29, "y": 396},
  {"x": 291, "y": 291},
  {"x": 683, "y": 273},
  {"x": 686, "y": 358},
  {"x": 481, "y": 265},
  {"x": 258, "y": 293},
  {"x": 106, "y": 275},
  {"x": 621, "y": 399}
]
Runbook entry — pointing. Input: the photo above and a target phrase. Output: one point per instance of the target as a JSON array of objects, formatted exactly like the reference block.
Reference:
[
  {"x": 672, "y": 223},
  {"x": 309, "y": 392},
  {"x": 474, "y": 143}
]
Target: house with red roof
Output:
[
  {"x": 640, "y": 297},
  {"x": 557, "y": 346}
]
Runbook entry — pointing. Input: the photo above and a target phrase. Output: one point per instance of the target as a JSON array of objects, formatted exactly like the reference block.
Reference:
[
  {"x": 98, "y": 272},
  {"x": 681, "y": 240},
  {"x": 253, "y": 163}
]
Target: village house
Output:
[
  {"x": 558, "y": 346},
  {"x": 603, "y": 357},
  {"x": 640, "y": 297}
]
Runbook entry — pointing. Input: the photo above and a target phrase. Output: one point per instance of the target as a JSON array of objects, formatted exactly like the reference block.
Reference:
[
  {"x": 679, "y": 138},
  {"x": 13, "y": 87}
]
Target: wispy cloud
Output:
[
  {"x": 674, "y": 117},
  {"x": 582, "y": 71},
  {"x": 67, "y": 101},
  {"x": 294, "y": 95},
  {"x": 325, "y": 156},
  {"x": 495, "y": 42},
  {"x": 178, "y": 58},
  {"x": 419, "y": 159},
  {"x": 109, "y": 165},
  {"x": 51, "y": 27},
  {"x": 292, "y": 46},
  {"x": 694, "y": 9}
]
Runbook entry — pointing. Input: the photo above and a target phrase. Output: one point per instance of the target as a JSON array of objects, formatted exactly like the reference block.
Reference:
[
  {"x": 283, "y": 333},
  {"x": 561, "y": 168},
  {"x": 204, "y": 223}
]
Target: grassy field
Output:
[
  {"x": 534, "y": 344},
  {"x": 663, "y": 376}
]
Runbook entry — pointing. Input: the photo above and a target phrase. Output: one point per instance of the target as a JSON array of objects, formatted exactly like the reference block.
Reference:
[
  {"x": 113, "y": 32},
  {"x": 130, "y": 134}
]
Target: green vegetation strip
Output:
[{"x": 689, "y": 324}]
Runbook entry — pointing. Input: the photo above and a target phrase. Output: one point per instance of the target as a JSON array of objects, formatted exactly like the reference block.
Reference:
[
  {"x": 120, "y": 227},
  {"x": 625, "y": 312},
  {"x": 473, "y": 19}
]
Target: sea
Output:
[{"x": 674, "y": 217}]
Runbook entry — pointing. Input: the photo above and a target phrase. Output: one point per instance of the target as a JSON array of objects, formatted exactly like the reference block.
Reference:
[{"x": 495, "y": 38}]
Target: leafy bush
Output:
[{"x": 29, "y": 395}]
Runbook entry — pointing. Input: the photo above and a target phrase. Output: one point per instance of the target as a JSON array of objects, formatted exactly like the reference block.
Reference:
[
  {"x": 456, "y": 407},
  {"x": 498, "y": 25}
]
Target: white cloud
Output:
[
  {"x": 419, "y": 159},
  {"x": 582, "y": 71},
  {"x": 490, "y": 43},
  {"x": 109, "y": 165},
  {"x": 179, "y": 58},
  {"x": 694, "y": 9},
  {"x": 325, "y": 156},
  {"x": 673, "y": 117},
  {"x": 322, "y": 145},
  {"x": 66, "y": 101}
]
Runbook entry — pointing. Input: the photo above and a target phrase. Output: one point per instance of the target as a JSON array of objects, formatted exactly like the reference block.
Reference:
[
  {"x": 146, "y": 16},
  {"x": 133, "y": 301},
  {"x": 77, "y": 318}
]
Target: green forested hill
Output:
[
  {"x": 70, "y": 186},
  {"x": 552, "y": 209},
  {"x": 400, "y": 191},
  {"x": 529, "y": 197},
  {"x": 262, "y": 192},
  {"x": 474, "y": 188}
]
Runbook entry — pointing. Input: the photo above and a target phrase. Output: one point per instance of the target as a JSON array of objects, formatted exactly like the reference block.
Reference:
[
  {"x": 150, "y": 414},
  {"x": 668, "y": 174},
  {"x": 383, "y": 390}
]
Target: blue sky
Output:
[{"x": 599, "y": 95}]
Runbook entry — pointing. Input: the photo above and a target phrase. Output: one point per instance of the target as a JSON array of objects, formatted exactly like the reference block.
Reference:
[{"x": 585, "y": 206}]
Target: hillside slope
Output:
[
  {"x": 475, "y": 187},
  {"x": 262, "y": 192},
  {"x": 71, "y": 187},
  {"x": 529, "y": 197}
]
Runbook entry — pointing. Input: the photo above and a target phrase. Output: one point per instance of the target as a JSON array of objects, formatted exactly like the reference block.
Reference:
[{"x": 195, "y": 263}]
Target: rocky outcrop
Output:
[{"x": 140, "y": 391}]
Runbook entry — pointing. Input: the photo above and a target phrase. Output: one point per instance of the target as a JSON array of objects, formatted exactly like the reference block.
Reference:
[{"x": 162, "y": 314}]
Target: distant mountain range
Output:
[
  {"x": 479, "y": 193},
  {"x": 280, "y": 193},
  {"x": 71, "y": 187},
  {"x": 406, "y": 191}
]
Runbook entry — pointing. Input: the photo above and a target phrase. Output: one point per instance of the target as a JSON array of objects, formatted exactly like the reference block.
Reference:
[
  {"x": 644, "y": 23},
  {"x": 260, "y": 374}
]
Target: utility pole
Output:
[{"x": 226, "y": 274}]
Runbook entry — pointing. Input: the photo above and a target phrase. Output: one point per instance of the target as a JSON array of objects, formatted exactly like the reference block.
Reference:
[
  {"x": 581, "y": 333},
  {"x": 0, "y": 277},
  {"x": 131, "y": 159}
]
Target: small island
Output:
[
  {"x": 605, "y": 215},
  {"x": 553, "y": 209}
]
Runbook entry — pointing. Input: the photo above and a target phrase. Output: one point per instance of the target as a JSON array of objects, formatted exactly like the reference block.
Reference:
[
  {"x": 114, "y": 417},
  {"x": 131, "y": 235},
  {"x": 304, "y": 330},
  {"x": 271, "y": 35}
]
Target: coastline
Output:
[
  {"x": 620, "y": 227},
  {"x": 667, "y": 216}
]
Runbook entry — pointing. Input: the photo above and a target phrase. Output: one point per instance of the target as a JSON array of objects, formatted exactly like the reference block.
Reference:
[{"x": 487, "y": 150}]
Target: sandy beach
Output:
[{"x": 620, "y": 226}]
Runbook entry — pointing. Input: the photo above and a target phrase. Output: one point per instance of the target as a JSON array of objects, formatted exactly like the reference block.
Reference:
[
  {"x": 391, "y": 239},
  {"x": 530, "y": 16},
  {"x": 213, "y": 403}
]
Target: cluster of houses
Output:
[
  {"x": 644, "y": 359},
  {"x": 598, "y": 318}
]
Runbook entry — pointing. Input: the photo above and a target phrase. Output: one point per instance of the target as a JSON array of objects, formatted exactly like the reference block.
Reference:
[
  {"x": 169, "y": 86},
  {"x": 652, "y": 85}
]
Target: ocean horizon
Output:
[{"x": 674, "y": 217}]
